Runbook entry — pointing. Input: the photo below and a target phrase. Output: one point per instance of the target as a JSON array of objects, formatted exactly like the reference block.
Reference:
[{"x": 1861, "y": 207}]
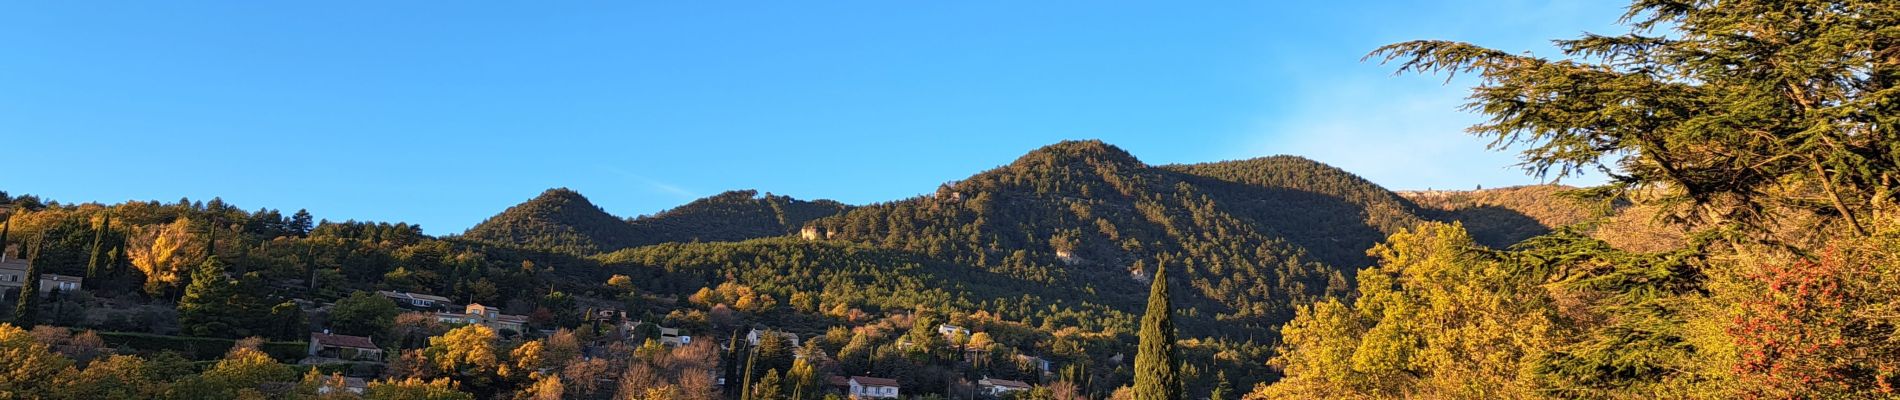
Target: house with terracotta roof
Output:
[
  {"x": 416, "y": 300},
  {"x": 875, "y": 388},
  {"x": 997, "y": 387},
  {"x": 344, "y": 347}
]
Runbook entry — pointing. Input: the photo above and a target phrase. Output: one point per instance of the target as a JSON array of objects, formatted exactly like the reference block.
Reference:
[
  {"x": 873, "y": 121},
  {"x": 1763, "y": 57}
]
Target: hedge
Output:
[{"x": 199, "y": 348}]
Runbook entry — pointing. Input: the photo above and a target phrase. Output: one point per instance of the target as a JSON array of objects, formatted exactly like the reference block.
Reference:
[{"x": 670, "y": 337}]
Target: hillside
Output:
[
  {"x": 1087, "y": 213},
  {"x": 558, "y": 219},
  {"x": 1080, "y": 221},
  {"x": 564, "y": 220},
  {"x": 1500, "y": 217},
  {"x": 1334, "y": 214},
  {"x": 731, "y": 216}
]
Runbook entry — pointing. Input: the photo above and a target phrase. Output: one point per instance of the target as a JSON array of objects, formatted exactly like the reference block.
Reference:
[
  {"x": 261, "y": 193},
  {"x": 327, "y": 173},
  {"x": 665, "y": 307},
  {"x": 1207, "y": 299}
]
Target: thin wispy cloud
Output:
[{"x": 653, "y": 184}]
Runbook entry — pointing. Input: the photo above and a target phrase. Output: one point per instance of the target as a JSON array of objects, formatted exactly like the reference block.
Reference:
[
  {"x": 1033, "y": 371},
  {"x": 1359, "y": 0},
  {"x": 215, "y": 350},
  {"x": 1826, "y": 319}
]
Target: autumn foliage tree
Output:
[{"x": 163, "y": 253}]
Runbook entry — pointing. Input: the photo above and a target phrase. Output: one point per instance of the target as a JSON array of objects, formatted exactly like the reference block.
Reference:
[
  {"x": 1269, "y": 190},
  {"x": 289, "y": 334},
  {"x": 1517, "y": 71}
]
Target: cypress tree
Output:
[
  {"x": 119, "y": 259},
  {"x": 1222, "y": 389},
  {"x": 26, "y": 311},
  {"x": 5, "y": 226},
  {"x": 1155, "y": 364},
  {"x": 745, "y": 390},
  {"x": 93, "y": 267}
]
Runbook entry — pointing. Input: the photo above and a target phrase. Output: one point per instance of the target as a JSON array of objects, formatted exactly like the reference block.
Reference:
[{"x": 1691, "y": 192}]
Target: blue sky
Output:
[{"x": 443, "y": 113}]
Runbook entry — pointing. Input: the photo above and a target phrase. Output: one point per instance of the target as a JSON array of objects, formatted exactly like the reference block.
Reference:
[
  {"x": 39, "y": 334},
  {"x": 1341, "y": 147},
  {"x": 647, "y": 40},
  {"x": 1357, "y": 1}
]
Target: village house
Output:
[
  {"x": 13, "y": 277},
  {"x": 868, "y": 387},
  {"x": 484, "y": 315},
  {"x": 1043, "y": 365},
  {"x": 669, "y": 337},
  {"x": 416, "y": 300},
  {"x": 353, "y": 385},
  {"x": 997, "y": 387},
  {"x": 752, "y": 338},
  {"x": 344, "y": 347},
  {"x": 952, "y": 331}
]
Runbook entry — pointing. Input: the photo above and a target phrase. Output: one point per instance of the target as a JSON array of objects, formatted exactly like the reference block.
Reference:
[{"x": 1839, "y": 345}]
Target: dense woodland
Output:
[{"x": 1743, "y": 248}]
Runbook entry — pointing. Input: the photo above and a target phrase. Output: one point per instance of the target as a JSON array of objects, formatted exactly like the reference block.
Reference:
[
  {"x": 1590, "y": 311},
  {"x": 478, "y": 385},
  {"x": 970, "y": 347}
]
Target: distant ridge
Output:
[{"x": 564, "y": 220}]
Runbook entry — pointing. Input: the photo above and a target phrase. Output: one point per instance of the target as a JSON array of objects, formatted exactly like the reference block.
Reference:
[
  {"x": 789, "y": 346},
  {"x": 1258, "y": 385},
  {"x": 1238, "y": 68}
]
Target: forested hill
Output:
[
  {"x": 1334, "y": 214},
  {"x": 558, "y": 219},
  {"x": 564, "y": 220},
  {"x": 1087, "y": 213},
  {"x": 731, "y": 216},
  {"x": 1249, "y": 238}
]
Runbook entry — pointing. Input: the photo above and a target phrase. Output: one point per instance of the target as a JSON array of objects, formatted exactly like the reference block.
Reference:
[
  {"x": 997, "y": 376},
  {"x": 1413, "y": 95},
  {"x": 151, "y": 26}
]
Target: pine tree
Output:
[
  {"x": 768, "y": 387},
  {"x": 93, "y": 266},
  {"x": 207, "y": 309},
  {"x": 300, "y": 223},
  {"x": 1155, "y": 364},
  {"x": 27, "y": 311}
]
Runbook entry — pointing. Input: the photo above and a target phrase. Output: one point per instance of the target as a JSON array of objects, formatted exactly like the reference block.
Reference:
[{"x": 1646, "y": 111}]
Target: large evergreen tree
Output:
[
  {"x": 26, "y": 310},
  {"x": 1156, "y": 377},
  {"x": 6, "y": 225},
  {"x": 1743, "y": 109},
  {"x": 207, "y": 309},
  {"x": 300, "y": 223},
  {"x": 94, "y": 268}
]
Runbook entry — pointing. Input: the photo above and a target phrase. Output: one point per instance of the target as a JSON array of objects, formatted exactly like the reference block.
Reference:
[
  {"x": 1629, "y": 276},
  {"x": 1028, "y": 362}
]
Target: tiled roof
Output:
[
  {"x": 869, "y": 381},
  {"x": 1004, "y": 383},
  {"x": 329, "y": 340},
  {"x": 430, "y": 297}
]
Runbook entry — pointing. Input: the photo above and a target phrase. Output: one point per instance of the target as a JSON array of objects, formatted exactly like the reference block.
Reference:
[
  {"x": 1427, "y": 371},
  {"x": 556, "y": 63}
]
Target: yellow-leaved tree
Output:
[
  {"x": 1439, "y": 317},
  {"x": 163, "y": 253}
]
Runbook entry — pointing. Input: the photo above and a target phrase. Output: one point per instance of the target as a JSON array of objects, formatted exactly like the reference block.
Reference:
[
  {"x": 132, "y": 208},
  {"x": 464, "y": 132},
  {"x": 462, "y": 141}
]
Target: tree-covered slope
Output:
[
  {"x": 732, "y": 216},
  {"x": 1087, "y": 213},
  {"x": 1334, "y": 214},
  {"x": 558, "y": 219},
  {"x": 563, "y": 220}
]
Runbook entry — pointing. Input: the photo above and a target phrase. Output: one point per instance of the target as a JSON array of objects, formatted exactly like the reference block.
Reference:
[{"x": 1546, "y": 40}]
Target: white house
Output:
[
  {"x": 997, "y": 387},
  {"x": 13, "y": 276},
  {"x": 951, "y": 331},
  {"x": 752, "y": 337},
  {"x": 485, "y": 315},
  {"x": 669, "y": 337},
  {"x": 868, "y": 387}
]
